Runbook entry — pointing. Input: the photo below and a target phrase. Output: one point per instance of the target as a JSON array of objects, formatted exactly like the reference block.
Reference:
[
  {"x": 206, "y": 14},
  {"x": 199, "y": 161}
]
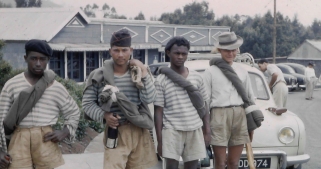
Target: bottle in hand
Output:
[{"x": 112, "y": 136}]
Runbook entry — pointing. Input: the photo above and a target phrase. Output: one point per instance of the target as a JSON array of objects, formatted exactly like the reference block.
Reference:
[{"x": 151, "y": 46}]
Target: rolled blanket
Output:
[
  {"x": 108, "y": 96},
  {"x": 193, "y": 93},
  {"x": 136, "y": 75},
  {"x": 254, "y": 115}
]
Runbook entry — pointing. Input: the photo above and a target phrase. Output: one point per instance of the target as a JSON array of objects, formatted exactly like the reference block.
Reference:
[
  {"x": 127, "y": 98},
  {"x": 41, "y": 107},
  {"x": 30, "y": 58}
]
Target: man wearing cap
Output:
[
  {"x": 36, "y": 100},
  {"x": 310, "y": 81},
  {"x": 276, "y": 82},
  {"x": 228, "y": 120},
  {"x": 135, "y": 148}
]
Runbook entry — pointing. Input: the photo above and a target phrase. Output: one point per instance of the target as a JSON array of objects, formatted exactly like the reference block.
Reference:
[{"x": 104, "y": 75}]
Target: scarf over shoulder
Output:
[
  {"x": 193, "y": 93},
  {"x": 138, "y": 115},
  {"x": 26, "y": 100},
  {"x": 254, "y": 115}
]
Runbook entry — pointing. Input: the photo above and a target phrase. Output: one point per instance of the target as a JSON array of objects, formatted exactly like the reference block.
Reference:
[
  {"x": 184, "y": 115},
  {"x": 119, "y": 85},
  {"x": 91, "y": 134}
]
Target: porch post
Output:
[
  {"x": 66, "y": 64},
  {"x": 85, "y": 66}
]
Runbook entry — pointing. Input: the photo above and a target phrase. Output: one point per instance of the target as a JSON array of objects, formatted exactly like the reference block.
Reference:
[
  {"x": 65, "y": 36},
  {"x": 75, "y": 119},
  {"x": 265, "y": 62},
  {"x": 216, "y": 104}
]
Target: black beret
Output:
[
  {"x": 121, "y": 38},
  {"x": 40, "y": 46}
]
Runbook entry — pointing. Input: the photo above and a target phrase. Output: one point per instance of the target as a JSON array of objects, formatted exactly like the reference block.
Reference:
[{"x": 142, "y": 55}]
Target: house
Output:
[
  {"x": 81, "y": 44},
  {"x": 308, "y": 51}
]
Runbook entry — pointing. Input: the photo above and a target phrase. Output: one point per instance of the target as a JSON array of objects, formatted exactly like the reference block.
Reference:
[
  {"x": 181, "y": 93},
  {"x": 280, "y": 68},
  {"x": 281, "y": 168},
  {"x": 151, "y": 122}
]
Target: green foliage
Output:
[
  {"x": 257, "y": 33},
  {"x": 6, "y": 72},
  {"x": 196, "y": 13},
  {"x": 28, "y": 3},
  {"x": 76, "y": 91},
  {"x": 140, "y": 16}
]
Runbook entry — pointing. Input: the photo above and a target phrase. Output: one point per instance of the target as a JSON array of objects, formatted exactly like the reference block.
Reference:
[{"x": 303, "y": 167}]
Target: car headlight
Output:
[{"x": 286, "y": 135}]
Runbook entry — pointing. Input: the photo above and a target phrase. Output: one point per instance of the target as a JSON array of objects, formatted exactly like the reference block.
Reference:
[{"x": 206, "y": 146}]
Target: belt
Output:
[
  {"x": 230, "y": 106},
  {"x": 124, "y": 123},
  {"x": 278, "y": 82}
]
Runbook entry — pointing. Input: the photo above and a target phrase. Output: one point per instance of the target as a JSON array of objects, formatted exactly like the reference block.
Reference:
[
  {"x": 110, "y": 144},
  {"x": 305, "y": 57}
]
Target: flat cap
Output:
[
  {"x": 40, "y": 46},
  {"x": 121, "y": 38}
]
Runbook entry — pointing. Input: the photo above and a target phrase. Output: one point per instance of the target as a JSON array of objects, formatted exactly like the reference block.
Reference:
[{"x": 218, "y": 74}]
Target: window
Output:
[
  {"x": 258, "y": 86},
  {"x": 56, "y": 63},
  {"x": 75, "y": 66},
  {"x": 91, "y": 61}
]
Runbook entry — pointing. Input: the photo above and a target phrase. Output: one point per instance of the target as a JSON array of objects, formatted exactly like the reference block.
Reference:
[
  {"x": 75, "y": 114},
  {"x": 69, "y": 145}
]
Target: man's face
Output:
[
  {"x": 177, "y": 55},
  {"x": 263, "y": 66},
  {"x": 228, "y": 55},
  {"x": 37, "y": 62},
  {"x": 120, "y": 55}
]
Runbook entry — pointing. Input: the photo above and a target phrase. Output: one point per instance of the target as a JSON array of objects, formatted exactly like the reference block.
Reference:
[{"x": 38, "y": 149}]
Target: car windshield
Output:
[{"x": 258, "y": 86}]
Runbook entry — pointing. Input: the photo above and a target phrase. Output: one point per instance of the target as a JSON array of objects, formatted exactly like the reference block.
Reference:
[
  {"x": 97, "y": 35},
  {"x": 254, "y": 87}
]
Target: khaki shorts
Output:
[
  {"x": 188, "y": 144},
  {"x": 135, "y": 149},
  {"x": 28, "y": 151},
  {"x": 228, "y": 127}
]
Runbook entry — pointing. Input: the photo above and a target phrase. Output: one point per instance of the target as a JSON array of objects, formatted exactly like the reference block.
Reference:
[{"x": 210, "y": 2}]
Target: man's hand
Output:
[
  {"x": 57, "y": 135},
  {"x": 160, "y": 149},
  {"x": 111, "y": 120},
  {"x": 135, "y": 62},
  {"x": 251, "y": 135},
  {"x": 5, "y": 160}
]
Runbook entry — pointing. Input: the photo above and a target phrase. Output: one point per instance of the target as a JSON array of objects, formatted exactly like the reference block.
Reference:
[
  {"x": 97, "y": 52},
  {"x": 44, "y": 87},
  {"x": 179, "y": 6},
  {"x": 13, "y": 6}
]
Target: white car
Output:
[{"x": 280, "y": 142}]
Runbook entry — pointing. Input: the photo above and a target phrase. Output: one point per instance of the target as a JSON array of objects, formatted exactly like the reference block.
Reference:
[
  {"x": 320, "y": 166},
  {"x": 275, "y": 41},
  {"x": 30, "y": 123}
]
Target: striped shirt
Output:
[
  {"x": 91, "y": 102},
  {"x": 54, "y": 101},
  {"x": 178, "y": 110}
]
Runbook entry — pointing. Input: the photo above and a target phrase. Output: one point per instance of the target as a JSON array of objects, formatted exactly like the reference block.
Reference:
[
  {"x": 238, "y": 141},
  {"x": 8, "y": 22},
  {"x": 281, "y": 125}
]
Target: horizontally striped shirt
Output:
[
  {"x": 54, "y": 101},
  {"x": 91, "y": 102},
  {"x": 178, "y": 110}
]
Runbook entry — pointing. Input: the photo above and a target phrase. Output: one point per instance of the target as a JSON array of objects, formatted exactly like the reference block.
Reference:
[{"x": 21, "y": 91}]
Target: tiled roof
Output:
[{"x": 34, "y": 23}]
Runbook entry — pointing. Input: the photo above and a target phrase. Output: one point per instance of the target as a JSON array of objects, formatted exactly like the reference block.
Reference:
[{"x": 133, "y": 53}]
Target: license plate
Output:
[{"x": 258, "y": 162}]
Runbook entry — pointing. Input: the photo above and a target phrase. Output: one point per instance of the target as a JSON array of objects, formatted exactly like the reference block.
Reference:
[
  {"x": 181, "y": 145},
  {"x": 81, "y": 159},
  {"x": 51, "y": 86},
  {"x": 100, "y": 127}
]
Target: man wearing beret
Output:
[
  {"x": 135, "y": 149},
  {"x": 30, "y": 103}
]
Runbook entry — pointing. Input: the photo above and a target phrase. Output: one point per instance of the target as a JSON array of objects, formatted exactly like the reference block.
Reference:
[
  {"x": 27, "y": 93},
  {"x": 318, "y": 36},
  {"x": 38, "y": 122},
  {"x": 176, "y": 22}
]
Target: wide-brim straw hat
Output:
[{"x": 229, "y": 41}]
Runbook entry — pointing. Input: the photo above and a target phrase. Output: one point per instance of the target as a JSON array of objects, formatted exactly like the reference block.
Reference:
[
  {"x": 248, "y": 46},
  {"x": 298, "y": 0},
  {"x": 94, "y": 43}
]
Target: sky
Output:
[{"x": 306, "y": 10}]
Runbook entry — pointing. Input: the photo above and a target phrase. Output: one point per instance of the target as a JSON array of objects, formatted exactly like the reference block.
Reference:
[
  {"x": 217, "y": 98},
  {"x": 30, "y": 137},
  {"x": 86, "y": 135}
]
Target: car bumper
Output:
[
  {"x": 302, "y": 86},
  {"x": 293, "y": 86},
  {"x": 284, "y": 160}
]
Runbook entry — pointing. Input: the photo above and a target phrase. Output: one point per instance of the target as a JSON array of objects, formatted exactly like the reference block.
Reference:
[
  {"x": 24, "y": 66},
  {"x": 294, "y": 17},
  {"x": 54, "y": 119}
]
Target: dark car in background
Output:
[
  {"x": 290, "y": 71},
  {"x": 155, "y": 66},
  {"x": 298, "y": 68}
]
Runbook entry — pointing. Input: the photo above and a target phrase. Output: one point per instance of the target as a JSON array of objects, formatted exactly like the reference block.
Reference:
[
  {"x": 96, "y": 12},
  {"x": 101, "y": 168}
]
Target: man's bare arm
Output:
[
  {"x": 273, "y": 80},
  {"x": 158, "y": 119}
]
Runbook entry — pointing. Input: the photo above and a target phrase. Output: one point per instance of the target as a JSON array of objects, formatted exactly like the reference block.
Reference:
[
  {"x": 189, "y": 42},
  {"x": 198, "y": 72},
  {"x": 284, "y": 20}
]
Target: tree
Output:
[
  {"x": 140, "y": 16},
  {"x": 28, "y": 3},
  {"x": 105, "y": 7},
  {"x": 193, "y": 14}
]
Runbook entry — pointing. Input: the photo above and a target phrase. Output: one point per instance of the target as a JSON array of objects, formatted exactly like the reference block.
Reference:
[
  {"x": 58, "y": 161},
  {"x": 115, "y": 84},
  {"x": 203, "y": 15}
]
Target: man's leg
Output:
[
  {"x": 171, "y": 163},
  {"x": 117, "y": 158},
  {"x": 191, "y": 164},
  {"x": 278, "y": 95},
  {"x": 143, "y": 155},
  {"x": 234, "y": 154},
  {"x": 219, "y": 157},
  {"x": 308, "y": 87}
]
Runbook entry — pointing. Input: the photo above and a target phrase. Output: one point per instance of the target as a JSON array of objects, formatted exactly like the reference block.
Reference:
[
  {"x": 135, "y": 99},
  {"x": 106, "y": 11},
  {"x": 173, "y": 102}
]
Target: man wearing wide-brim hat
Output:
[{"x": 228, "y": 119}]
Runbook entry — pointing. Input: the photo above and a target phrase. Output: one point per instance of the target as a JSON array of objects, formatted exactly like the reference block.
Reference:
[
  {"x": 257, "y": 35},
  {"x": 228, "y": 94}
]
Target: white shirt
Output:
[
  {"x": 271, "y": 69},
  {"x": 309, "y": 72},
  {"x": 222, "y": 92}
]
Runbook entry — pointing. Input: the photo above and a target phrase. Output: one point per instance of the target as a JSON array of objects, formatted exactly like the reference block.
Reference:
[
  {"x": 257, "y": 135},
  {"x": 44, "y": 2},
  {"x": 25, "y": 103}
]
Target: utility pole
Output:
[{"x": 274, "y": 33}]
